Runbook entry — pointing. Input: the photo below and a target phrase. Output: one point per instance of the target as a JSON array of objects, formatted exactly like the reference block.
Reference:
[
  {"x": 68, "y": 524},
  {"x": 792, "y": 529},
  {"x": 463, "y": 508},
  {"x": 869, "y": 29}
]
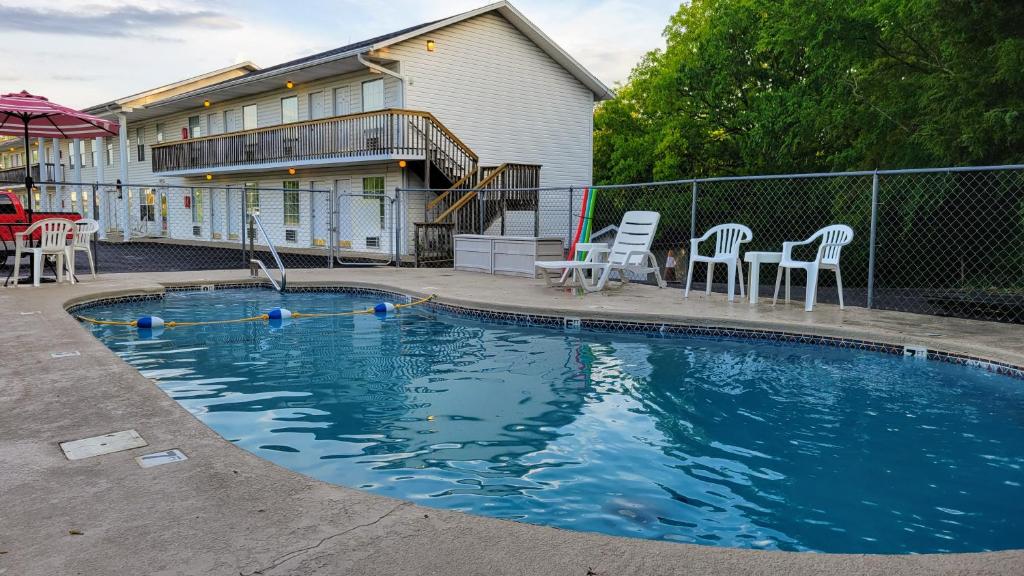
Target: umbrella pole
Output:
[{"x": 28, "y": 173}]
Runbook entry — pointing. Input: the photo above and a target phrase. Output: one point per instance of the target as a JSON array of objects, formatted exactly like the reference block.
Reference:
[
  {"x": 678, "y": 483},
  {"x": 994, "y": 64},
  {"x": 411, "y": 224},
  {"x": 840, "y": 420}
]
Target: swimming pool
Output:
[{"x": 742, "y": 443}]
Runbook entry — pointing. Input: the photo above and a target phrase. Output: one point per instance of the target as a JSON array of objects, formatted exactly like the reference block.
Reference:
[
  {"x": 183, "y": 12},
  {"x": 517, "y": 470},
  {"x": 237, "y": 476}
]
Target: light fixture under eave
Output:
[
  {"x": 209, "y": 176},
  {"x": 291, "y": 171},
  {"x": 289, "y": 84},
  {"x": 206, "y": 103},
  {"x": 401, "y": 163},
  {"x": 431, "y": 45}
]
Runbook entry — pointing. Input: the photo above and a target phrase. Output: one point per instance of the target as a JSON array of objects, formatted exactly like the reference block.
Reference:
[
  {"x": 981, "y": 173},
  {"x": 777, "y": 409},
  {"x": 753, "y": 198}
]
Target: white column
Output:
[
  {"x": 122, "y": 139},
  {"x": 58, "y": 191},
  {"x": 99, "y": 145},
  {"x": 76, "y": 175},
  {"x": 42, "y": 174}
]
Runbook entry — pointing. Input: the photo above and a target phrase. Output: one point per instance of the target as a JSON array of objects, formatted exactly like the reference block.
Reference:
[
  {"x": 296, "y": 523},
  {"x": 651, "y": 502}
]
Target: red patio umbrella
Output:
[{"x": 28, "y": 115}]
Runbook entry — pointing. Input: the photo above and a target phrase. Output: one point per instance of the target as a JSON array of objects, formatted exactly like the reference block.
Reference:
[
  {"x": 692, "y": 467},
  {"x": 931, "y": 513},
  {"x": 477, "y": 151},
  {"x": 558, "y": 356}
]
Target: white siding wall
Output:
[{"x": 503, "y": 96}]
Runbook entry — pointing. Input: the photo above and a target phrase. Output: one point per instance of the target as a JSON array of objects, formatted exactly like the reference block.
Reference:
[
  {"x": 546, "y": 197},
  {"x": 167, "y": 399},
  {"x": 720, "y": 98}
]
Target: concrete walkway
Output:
[{"x": 225, "y": 511}]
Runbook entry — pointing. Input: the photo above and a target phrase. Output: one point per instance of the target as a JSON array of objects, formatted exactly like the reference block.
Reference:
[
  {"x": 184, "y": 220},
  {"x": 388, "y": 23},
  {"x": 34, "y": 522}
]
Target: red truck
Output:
[{"x": 14, "y": 218}]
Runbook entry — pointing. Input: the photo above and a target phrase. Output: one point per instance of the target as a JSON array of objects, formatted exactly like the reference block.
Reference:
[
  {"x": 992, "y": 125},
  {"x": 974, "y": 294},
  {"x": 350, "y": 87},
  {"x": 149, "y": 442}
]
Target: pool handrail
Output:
[{"x": 256, "y": 262}]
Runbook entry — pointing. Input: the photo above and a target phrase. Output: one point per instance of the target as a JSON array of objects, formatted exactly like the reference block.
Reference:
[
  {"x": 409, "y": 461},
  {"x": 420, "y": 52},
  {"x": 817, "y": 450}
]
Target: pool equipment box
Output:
[{"x": 505, "y": 255}]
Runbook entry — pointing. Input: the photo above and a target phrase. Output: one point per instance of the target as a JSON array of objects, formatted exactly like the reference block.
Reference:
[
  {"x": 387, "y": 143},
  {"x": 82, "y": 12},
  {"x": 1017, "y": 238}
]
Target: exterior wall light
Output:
[
  {"x": 209, "y": 176},
  {"x": 431, "y": 45},
  {"x": 291, "y": 171},
  {"x": 289, "y": 84},
  {"x": 206, "y": 103},
  {"x": 401, "y": 163}
]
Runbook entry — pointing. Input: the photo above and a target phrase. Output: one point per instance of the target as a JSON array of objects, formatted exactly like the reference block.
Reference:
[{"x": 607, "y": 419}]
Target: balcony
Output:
[
  {"x": 17, "y": 175},
  {"x": 369, "y": 136}
]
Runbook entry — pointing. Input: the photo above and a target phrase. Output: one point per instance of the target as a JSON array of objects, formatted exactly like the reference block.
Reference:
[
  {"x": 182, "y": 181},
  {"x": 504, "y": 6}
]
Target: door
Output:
[
  {"x": 369, "y": 215},
  {"x": 317, "y": 106},
  {"x": 232, "y": 122},
  {"x": 342, "y": 101},
  {"x": 343, "y": 212},
  {"x": 233, "y": 212},
  {"x": 319, "y": 214}
]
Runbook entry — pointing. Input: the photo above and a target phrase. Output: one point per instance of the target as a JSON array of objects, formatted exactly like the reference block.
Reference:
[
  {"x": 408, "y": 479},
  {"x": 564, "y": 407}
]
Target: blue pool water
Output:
[{"x": 730, "y": 443}]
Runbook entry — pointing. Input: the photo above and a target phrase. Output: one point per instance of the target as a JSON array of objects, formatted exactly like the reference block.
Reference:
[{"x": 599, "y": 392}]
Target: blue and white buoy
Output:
[
  {"x": 384, "y": 308},
  {"x": 279, "y": 314},
  {"x": 149, "y": 322}
]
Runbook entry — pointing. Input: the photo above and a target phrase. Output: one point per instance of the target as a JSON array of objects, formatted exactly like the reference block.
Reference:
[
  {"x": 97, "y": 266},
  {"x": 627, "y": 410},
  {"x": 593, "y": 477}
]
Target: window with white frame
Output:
[
  {"x": 374, "y": 186},
  {"x": 110, "y": 152},
  {"x": 71, "y": 155},
  {"x": 249, "y": 117},
  {"x": 289, "y": 109},
  {"x": 140, "y": 144},
  {"x": 373, "y": 95},
  {"x": 159, "y": 133},
  {"x": 195, "y": 128},
  {"x": 291, "y": 202},
  {"x": 82, "y": 153},
  {"x": 147, "y": 209},
  {"x": 197, "y": 205},
  {"x": 252, "y": 198}
]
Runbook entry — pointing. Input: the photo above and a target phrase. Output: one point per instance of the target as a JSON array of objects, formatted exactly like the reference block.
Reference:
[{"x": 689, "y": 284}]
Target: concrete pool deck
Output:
[{"x": 226, "y": 511}]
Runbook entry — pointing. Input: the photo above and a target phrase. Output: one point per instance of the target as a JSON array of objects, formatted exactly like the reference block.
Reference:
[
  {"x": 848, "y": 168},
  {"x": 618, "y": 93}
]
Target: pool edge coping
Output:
[{"x": 639, "y": 323}]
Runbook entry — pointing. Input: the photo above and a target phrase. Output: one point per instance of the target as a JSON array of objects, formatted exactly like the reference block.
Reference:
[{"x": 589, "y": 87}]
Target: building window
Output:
[
  {"x": 374, "y": 186},
  {"x": 291, "y": 203},
  {"x": 147, "y": 210},
  {"x": 373, "y": 95},
  {"x": 289, "y": 109},
  {"x": 195, "y": 129},
  {"x": 211, "y": 124},
  {"x": 140, "y": 144},
  {"x": 252, "y": 198},
  {"x": 95, "y": 154},
  {"x": 71, "y": 155},
  {"x": 82, "y": 152},
  {"x": 159, "y": 133},
  {"x": 197, "y": 205},
  {"x": 249, "y": 117},
  {"x": 110, "y": 153}
]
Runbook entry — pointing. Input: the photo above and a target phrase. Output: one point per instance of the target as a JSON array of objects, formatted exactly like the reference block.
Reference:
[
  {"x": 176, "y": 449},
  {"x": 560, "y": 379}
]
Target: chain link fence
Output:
[
  {"x": 158, "y": 227},
  {"x": 944, "y": 242}
]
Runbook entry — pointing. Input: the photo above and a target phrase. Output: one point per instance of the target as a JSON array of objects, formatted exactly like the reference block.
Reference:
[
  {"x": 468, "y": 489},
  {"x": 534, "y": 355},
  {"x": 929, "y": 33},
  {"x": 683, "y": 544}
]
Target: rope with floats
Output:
[{"x": 275, "y": 314}]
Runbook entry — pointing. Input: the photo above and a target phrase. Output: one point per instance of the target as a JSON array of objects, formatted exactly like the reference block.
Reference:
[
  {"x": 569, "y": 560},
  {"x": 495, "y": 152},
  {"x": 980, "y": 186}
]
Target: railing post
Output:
[
  {"x": 481, "y": 206},
  {"x": 252, "y": 245},
  {"x": 568, "y": 239},
  {"x": 693, "y": 210},
  {"x": 872, "y": 239}
]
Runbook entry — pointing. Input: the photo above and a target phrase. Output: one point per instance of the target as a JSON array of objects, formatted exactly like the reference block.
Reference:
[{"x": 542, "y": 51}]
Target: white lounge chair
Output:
[
  {"x": 53, "y": 242},
  {"x": 728, "y": 238},
  {"x": 84, "y": 230},
  {"x": 833, "y": 238},
  {"x": 630, "y": 254}
]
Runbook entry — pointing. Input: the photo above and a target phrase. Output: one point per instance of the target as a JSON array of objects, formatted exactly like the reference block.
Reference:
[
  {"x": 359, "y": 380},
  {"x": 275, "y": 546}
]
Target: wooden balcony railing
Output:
[
  {"x": 383, "y": 132},
  {"x": 17, "y": 175}
]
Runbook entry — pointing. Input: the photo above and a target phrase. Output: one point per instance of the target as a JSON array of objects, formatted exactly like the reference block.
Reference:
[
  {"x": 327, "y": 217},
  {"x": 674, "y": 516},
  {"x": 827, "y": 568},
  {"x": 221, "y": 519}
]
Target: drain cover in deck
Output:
[
  {"x": 98, "y": 445},
  {"x": 158, "y": 458}
]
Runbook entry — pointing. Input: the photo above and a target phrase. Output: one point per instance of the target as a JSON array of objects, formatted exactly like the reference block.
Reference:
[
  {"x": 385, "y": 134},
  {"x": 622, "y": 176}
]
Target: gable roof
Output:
[{"x": 504, "y": 8}]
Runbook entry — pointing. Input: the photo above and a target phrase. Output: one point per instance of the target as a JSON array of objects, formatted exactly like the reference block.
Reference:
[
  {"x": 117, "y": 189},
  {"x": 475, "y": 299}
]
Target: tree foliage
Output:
[{"x": 769, "y": 86}]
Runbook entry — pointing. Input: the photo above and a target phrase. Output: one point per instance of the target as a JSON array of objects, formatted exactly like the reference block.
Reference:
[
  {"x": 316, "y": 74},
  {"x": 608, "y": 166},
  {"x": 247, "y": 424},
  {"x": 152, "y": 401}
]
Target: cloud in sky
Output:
[{"x": 84, "y": 52}]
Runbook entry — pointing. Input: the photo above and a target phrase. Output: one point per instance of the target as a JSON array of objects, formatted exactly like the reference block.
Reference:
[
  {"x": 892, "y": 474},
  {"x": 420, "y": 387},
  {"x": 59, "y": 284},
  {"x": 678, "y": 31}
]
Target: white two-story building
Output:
[{"x": 477, "y": 101}]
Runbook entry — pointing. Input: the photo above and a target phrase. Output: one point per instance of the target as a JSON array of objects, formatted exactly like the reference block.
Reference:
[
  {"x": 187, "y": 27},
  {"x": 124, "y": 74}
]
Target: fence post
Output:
[
  {"x": 241, "y": 225},
  {"x": 872, "y": 239},
  {"x": 331, "y": 199},
  {"x": 693, "y": 211},
  {"x": 396, "y": 220},
  {"x": 568, "y": 241}
]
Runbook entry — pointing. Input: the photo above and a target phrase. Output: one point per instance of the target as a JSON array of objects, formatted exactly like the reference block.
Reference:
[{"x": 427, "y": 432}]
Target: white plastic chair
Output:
[
  {"x": 630, "y": 254},
  {"x": 832, "y": 238},
  {"x": 53, "y": 242},
  {"x": 728, "y": 238},
  {"x": 84, "y": 230}
]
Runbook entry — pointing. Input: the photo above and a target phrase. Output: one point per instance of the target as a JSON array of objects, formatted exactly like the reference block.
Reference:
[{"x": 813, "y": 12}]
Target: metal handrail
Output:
[{"x": 253, "y": 218}]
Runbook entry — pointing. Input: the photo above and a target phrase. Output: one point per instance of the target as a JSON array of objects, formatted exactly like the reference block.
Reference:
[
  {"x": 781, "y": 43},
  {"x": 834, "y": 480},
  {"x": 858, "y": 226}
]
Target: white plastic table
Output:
[{"x": 755, "y": 259}]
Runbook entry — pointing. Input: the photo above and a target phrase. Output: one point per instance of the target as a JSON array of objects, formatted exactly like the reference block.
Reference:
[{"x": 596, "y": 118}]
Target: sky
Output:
[{"x": 82, "y": 53}]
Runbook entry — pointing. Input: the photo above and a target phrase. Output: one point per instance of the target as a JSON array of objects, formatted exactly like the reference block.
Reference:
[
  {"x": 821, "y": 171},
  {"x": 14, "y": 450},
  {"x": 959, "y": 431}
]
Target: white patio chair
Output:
[
  {"x": 728, "y": 238},
  {"x": 84, "y": 230},
  {"x": 53, "y": 243},
  {"x": 832, "y": 238},
  {"x": 630, "y": 254}
]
